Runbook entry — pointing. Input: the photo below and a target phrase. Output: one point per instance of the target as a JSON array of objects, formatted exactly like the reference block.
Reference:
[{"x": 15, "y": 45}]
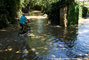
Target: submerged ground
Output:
[{"x": 45, "y": 42}]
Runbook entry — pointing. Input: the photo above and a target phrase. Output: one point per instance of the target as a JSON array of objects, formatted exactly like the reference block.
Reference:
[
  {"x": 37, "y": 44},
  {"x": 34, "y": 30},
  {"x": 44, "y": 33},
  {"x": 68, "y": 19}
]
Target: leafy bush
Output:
[
  {"x": 73, "y": 15},
  {"x": 9, "y": 11},
  {"x": 53, "y": 13}
]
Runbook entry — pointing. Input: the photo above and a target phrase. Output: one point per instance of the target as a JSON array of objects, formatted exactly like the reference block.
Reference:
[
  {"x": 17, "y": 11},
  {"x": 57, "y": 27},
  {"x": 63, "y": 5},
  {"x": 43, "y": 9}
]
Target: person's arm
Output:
[
  {"x": 26, "y": 20},
  {"x": 29, "y": 21}
]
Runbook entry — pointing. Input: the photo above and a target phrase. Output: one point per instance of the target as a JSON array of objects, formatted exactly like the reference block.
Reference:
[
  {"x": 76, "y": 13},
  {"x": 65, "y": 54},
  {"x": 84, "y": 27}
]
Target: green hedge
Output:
[{"x": 73, "y": 15}]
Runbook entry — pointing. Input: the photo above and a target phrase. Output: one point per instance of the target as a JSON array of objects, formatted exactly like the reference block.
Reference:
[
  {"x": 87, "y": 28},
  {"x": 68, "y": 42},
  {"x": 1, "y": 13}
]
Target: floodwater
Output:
[{"x": 45, "y": 42}]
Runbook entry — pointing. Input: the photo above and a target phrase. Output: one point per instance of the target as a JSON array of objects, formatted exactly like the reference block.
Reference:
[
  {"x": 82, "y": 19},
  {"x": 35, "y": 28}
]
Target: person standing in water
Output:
[{"x": 22, "y": 22}]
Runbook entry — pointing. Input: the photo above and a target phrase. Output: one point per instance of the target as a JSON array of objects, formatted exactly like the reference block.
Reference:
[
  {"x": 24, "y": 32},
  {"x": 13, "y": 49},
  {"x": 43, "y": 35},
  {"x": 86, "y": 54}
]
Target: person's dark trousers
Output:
[{"x": 22, "y": 26}]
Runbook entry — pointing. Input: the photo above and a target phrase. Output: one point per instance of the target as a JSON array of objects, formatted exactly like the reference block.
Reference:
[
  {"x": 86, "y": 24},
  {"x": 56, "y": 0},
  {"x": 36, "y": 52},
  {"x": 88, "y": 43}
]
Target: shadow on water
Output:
[
  {"x": 45, "y": 42},
  {"x": 14, "y": 47}
]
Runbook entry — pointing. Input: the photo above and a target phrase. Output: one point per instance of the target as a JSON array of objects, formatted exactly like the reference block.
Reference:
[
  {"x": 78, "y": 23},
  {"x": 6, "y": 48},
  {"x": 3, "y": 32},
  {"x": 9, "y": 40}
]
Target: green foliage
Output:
[
  {"x": 73, "y": 15},
  {"x": 3, "y": 21},
  {"x": 9, "y": 10},
  {"x": 88, "y": 11},
  {"x": 83, "y": 8},
  {"x": 41, "y": 4},
  {"x": 53, "y": 13},
  {"x": 84, "y": 11}
]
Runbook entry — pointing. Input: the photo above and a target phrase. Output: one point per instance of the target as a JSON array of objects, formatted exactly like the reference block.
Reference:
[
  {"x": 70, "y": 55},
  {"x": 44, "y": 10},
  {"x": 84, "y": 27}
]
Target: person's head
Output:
[{"x": 23, "y": 14}]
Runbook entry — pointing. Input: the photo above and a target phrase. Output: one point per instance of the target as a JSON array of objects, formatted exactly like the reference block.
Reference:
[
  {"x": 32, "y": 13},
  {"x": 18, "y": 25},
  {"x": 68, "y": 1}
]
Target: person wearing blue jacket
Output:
[{"x": 22, "y": 21}]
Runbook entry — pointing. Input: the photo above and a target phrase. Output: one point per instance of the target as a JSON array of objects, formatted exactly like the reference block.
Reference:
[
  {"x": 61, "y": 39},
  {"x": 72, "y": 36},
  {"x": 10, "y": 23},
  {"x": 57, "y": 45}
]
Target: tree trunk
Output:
[{"x": 63, "y": 16}]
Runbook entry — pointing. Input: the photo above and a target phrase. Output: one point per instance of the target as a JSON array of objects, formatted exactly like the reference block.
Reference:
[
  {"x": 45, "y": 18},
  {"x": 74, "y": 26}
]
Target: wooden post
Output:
[{"x": 63, "y": 16}]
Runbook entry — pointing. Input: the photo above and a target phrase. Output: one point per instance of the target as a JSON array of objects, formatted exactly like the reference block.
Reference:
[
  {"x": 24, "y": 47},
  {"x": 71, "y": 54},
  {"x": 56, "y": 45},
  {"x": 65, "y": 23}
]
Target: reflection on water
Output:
[
  {"x": 56, "y": 42},
  {"x": 45, "y": 42}
]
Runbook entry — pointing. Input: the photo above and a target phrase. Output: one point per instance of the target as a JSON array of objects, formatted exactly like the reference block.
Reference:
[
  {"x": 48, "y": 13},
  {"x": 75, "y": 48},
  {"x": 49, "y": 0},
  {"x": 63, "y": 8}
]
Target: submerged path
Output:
[{"x": 45, "y": 42}]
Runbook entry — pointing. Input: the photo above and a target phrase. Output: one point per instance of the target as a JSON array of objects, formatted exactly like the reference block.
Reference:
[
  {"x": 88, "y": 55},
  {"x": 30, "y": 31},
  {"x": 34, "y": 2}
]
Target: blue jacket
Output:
[{"x": 22, "y": 20}]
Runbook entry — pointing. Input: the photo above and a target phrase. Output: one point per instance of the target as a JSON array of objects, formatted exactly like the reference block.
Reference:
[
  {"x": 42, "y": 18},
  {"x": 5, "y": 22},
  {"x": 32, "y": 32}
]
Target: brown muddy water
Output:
[{"x": 45, "y": 42}]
